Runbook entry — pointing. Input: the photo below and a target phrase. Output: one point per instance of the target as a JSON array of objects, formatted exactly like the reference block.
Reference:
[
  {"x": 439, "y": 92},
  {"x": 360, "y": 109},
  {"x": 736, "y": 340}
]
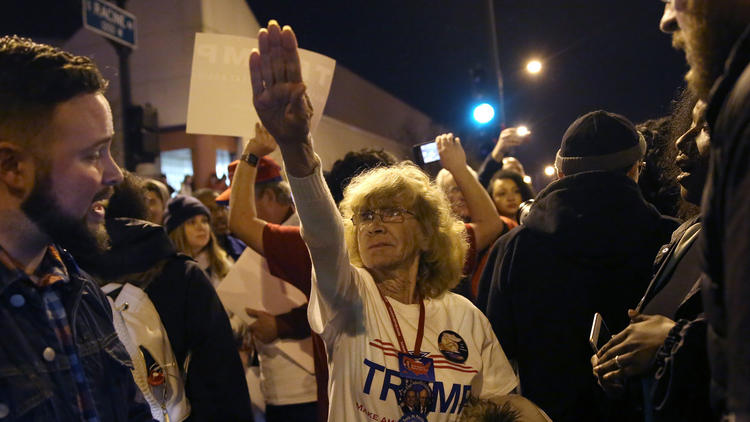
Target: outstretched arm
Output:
[
  {"x": 243, "y": 217},
  {"x": 284, "y": 109},
  {"x": 484, "y": 217}
]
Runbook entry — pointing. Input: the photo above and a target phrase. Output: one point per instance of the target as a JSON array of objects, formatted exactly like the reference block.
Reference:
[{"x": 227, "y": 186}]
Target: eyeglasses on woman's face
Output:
[{"x": 387, "y": 215}]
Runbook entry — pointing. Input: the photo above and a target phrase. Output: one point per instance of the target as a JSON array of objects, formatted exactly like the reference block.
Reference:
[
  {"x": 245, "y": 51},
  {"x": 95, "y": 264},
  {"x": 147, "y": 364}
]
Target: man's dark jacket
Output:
[
  {"x": 587, "y": 246},
  {"x": 190, "y": 311},
  {"x": 726, "y": 241}
]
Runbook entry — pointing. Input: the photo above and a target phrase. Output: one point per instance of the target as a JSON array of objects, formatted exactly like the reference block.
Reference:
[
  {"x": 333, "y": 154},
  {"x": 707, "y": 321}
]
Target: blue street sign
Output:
[{"x": 110, "y": 21}]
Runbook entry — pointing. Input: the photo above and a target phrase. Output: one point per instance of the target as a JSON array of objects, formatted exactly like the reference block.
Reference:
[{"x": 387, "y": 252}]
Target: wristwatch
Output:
[{"x": 250, "y": 158}]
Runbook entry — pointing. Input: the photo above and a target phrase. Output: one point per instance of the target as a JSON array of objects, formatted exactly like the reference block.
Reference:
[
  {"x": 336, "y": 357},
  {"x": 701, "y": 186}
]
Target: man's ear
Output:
[{"x": 16, "y": 168}]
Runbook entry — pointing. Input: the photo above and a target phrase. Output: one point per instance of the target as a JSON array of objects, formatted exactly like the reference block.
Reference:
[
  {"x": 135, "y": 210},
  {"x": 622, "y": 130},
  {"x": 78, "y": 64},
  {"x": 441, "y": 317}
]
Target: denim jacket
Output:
[{"x": 35, "y": 379}]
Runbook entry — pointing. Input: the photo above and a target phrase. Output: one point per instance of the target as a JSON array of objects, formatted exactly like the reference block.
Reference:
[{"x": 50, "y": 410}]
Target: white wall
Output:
[
  {"x": 360, "y": 103},
  {"x": 334, "y": 138}
]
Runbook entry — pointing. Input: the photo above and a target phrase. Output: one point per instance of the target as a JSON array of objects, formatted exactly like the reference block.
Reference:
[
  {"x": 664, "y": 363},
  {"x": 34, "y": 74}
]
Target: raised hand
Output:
[
  {"x": 452, "y": 155},
  {"x": 508, "y": 138},
  {"x": 278, "y": 91},
  {"x": 262, "y": 143}
]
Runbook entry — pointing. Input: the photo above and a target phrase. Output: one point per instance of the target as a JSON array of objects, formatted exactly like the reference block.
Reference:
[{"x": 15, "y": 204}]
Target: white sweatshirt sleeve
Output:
[{"x": 334, "y": 293}]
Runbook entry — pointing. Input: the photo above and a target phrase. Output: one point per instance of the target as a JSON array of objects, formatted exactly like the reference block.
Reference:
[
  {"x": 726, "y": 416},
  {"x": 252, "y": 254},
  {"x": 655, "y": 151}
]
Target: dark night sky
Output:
[{"x": 597, "y": 54}]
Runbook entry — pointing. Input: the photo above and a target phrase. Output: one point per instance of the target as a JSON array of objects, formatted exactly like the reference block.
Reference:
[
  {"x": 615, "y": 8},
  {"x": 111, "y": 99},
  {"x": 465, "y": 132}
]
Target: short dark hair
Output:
[
  {"x": 34, "y": 79},
  {"x": 128, "y": 199},
  {"x": 477, "y": 410},
  {"x": 354, "y": 163},
  {"x": 523, "y": 187}
]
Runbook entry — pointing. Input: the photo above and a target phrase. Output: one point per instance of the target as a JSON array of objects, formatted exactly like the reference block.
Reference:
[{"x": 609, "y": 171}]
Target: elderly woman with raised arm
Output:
[{"x": 400, "y": 346}]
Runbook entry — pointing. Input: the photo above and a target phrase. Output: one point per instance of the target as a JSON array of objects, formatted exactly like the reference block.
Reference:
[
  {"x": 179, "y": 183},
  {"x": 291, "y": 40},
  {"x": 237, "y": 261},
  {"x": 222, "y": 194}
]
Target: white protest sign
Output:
[
  {"x": 220, "y": 101},
  {"x": 250, "y": 284}
]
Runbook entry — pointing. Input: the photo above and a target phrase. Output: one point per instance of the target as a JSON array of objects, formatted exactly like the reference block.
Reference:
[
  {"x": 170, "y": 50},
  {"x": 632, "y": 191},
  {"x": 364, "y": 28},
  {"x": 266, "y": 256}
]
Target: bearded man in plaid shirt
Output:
[{"x": 60, "y": 358}]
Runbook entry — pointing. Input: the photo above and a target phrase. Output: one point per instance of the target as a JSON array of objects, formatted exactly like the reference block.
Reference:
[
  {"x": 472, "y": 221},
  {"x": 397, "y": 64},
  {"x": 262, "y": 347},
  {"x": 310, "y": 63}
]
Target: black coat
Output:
[
  {"x": 587, "y": 246},
  {"x": 190, "y": 311},
  {"x": 726, "y": 241}
]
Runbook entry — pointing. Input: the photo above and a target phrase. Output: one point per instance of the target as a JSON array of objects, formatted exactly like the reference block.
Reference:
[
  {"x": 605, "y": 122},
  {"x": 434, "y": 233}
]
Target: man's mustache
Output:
[{"x": 103, "y": 194}]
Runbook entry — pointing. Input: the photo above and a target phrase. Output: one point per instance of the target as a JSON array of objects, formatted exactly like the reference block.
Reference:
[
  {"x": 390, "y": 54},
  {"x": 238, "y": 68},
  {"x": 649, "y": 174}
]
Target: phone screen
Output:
[{"x": 429, "y": 152}]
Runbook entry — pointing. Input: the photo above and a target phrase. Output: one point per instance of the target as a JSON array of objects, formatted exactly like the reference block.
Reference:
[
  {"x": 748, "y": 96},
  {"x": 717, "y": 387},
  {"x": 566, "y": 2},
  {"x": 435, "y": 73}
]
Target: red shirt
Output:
[{"x": 289, "y": 260}]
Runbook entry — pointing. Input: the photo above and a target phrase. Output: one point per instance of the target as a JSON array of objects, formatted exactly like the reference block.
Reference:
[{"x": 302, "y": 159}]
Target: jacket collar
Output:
[
  {"x": 736, "y": 63},
  {"x": 10, "y": 272}
]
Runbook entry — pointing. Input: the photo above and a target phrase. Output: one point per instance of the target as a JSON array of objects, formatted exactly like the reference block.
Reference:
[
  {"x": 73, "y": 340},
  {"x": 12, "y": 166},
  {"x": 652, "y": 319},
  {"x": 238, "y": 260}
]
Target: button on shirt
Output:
[{"x": 17, "y": 301}]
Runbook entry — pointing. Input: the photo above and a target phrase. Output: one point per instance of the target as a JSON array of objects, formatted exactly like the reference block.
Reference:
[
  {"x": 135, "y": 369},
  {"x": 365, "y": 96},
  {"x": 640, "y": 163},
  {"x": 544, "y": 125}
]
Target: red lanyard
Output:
[{"x": 397, "y": 328}]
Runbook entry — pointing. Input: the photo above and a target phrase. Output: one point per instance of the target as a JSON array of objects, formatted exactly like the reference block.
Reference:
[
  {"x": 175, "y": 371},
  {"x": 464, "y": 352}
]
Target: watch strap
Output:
[{"x": 250, "y": 158}]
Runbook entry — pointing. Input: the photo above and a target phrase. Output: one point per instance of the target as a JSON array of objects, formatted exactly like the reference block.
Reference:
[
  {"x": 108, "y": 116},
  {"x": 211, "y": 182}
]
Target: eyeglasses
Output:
[{"x": 387, "y": 215}]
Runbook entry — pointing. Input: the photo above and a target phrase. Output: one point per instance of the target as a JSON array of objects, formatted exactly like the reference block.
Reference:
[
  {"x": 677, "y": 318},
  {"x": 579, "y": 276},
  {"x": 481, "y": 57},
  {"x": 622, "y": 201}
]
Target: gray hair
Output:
[{"x": 280, "y": 188}]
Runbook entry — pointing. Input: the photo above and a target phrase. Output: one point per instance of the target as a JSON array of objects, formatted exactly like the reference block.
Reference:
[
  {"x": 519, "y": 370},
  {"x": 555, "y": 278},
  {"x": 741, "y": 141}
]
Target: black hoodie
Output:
[
  {"x": 190, "y": 311},
  {"x": 586, "y": 246}
]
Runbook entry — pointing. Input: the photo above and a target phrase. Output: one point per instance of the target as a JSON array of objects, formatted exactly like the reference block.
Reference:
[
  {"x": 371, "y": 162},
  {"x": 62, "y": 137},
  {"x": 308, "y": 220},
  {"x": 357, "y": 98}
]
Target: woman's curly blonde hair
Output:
[{"x": 441, "y": 264}]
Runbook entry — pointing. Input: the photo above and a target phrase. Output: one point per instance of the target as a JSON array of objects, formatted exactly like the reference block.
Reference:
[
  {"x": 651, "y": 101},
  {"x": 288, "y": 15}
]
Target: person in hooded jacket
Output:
[
  {"x": 191, "y": 313},
  {"x": 586, "y": 246}
]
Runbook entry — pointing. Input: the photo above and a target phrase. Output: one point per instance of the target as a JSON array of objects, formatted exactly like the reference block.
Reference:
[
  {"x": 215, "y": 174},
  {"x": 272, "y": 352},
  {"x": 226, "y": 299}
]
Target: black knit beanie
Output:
[
  {"x": 599, "y": 140},
  {"x": 182, "y": 208}
]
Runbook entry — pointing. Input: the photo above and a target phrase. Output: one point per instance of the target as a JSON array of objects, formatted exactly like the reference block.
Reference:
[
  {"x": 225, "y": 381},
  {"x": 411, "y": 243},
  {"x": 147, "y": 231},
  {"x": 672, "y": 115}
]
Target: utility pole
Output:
[
  {"x": 496, "y": 59},
  {"x": 119, "y": 27},
  {"x": 126, "y": 99}
]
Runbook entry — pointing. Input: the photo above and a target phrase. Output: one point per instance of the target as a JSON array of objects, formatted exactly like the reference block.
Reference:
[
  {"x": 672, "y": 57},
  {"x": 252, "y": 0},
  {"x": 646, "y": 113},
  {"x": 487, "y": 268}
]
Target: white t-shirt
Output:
[{"x": 347, "y": 310}]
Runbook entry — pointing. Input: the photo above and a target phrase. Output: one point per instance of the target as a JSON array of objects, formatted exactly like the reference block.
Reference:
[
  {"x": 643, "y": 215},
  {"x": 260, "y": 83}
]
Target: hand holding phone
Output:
[
  {"x": 426, "y": 153},
  {"x": 509, "y": 139}
]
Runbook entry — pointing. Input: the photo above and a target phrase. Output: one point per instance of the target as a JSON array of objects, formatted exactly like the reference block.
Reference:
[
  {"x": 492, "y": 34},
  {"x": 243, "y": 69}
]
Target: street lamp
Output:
[
  {"x": 549, "y": 171},
  {"x": 534, "y": 67}
]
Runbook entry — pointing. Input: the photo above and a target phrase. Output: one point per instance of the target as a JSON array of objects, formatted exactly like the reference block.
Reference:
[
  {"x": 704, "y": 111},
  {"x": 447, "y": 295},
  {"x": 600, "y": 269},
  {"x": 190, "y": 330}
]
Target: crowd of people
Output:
[{"x": 466, "y": 296}]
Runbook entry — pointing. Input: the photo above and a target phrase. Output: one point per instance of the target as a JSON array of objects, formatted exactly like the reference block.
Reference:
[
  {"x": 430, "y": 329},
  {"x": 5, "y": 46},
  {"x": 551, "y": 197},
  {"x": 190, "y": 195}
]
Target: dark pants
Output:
[{"x": 302, "y": 412}]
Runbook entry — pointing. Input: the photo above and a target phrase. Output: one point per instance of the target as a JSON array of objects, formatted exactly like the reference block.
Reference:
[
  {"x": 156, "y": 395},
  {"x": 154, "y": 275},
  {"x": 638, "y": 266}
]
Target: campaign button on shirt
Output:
[
  {"x": 17, "y": 300},
  {"x": 452, "y": 346},
  {"x": 48, "y": 354}
]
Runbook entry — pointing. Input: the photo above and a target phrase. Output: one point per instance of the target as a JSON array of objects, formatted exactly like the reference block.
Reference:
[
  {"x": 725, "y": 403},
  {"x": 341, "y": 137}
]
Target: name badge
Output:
[{"x": 419, "y": 368}]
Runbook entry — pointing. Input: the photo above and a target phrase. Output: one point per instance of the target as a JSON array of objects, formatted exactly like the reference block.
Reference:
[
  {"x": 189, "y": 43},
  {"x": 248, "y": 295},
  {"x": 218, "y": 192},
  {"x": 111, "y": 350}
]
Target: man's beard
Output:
[
  {"x": 69, "y": 232},
  {"x": 707, "y": 40}
]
